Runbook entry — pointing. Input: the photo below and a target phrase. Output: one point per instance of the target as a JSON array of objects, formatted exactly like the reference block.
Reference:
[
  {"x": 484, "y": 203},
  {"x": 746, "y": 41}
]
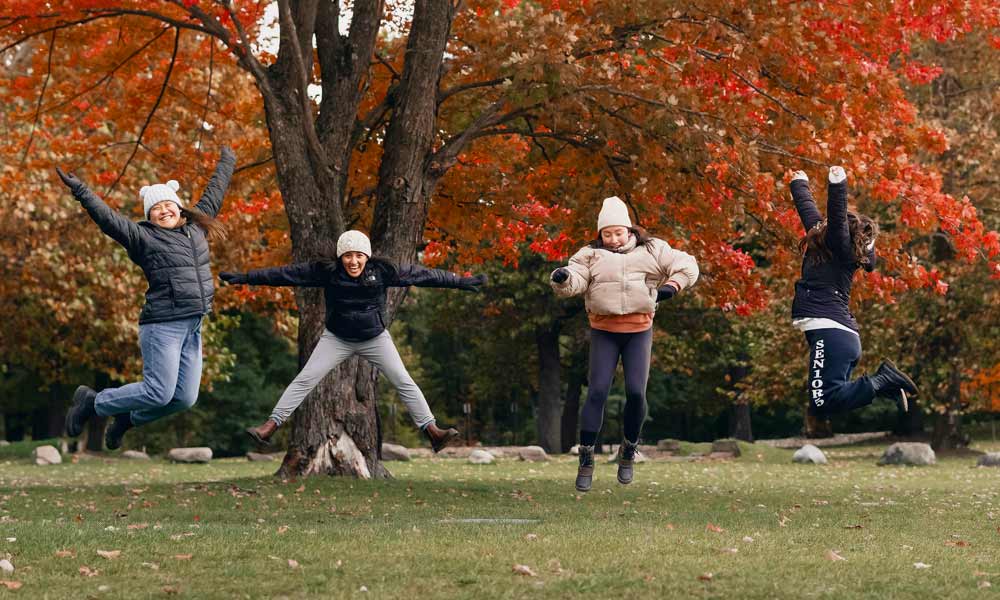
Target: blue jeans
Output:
[
  {"x": 171, "y": 374},
  {"x": 833, "y": 355}
]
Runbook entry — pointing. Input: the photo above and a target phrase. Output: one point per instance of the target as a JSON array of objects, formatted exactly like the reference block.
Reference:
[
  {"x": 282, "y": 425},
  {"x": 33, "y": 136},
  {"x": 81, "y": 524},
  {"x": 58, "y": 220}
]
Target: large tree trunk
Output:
[
  {"x": 948, "y": 425},
  {"x": 549, "y": 408},
  {"x": 571, "y": 408},
  {"x": 742, "y": 429},
  {"x": 336, "y": 430}
]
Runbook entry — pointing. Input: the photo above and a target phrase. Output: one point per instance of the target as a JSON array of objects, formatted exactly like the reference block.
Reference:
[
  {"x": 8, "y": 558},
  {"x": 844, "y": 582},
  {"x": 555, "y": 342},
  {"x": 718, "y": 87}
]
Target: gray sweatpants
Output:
[{"x": 331, "y": 351}]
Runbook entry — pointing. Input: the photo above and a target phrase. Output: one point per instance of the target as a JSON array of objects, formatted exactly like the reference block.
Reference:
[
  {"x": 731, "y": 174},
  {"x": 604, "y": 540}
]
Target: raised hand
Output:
[
  {"x": 560, "y": 275},
  {"x": 837, "y": 174},
  {"x": 234, "y": 278},
  {"x": 800, "y": 175},
  {"x": 71, "y": 180}
]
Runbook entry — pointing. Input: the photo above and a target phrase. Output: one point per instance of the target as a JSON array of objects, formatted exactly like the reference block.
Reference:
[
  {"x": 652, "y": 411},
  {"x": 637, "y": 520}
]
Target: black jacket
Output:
[
  {"x": 174, "y": 261},
  {"x": 355, "y": 307},
  {"x": 824, "y": 290}
]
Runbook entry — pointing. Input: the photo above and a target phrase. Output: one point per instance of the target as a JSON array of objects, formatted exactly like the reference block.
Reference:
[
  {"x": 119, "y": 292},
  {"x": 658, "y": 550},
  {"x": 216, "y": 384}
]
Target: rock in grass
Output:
[
  {"x": 259, "y": 457},
  {"x": 395, "y": 452},
  {"x": 991, "y": 459},
  {"x": 4, "y": 443},
  {"x": 730, "y": 446},
  {"x": 46, "y": 455},
  {"x": 190, "y": 455},
  {"x": 809, "y": 454},
  {"x": 6, "y": 567},
  {"x": 532, "y": 454},
  {"x": 480, "y": 457},
  {"x": 668, "y": 446},
  {"x": 135, "y": 455},
  {"x": 908, "y": 453}
]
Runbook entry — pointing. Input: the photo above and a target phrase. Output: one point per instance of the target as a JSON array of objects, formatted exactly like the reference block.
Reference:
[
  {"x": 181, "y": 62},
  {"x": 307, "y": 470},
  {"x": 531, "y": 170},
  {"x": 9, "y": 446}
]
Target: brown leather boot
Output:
[
  {"x": 263, "y": 432},
  {"x": 440, "y": 437}
]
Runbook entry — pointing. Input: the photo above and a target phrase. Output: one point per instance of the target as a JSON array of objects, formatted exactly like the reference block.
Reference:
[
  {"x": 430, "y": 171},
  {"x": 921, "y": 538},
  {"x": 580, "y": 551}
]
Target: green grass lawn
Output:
[{"x": 760, "y": 526}]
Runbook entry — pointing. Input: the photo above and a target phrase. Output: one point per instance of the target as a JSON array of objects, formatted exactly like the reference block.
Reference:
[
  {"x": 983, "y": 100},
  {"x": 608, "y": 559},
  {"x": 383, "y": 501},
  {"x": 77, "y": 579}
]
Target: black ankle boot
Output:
[
  {"x": 626, "y": 461},
  {"x": 890, "y": 382},
  {"x": 81, "y": 411},
  {"x": 585, "y": 474},
  {"x": 116, "y": 431}
]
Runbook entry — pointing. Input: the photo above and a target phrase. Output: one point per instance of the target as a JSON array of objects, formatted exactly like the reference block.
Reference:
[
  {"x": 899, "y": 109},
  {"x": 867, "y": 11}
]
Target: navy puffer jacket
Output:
[{"x": 176, "y": 262}]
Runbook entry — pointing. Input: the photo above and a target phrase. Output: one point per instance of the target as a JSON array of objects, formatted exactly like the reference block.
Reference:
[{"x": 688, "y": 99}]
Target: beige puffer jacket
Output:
[{"x": 625, "y": 282}]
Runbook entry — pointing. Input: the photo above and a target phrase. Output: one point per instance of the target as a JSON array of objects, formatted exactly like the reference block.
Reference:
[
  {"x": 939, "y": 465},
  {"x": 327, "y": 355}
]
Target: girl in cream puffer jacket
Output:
[{"x": 622, "y": 275}]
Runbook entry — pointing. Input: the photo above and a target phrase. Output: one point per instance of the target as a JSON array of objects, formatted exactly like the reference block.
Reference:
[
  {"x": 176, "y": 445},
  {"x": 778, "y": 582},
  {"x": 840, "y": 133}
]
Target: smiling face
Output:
[
  {"x": 166, "y": 214},
  {"x": 354, "y": 262},
  {"x": 614, "y": 237}
]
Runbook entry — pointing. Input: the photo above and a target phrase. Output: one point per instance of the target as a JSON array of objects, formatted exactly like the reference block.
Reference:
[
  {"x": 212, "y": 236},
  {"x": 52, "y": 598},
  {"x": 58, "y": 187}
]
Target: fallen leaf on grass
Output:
[
  {"x": 832, "y": 555},
  {"x": 183, "y": 556},
  {"x": 11, "y": 585},
  {"x": 135, "y": 526},
  {"x": 282, "y": 529},
  {"x": 293, "y": 564},
  {"x": 921, "y": 565},
  {"x": 957, "y": 543},
  {"x": 984, "y": 584},
  {"x": 524, "y": 570},
  {"x": 109, "y": 554},
  {"x": 729, "y": 550},
  {"x": 65, "y": 554},
  {"x": 169, "y": 589},
  {"x": 714, "y": 528},
  {"x": 88, "y": 572},
  {"x": 531, "y": 537},
  {"x": 748, "y": 539},
  {"x": 705, "y": 577},
  {"x": 858, "y": 526},
  {"x": 152, "y": 566}
]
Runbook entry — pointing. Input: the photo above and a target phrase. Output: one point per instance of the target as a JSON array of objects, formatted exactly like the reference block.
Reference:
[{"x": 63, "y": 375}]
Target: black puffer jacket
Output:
[
  {"x": 176, "y": 262},
  {"x": 355, "y": 307},
  {"x": 824, "y": 290}
]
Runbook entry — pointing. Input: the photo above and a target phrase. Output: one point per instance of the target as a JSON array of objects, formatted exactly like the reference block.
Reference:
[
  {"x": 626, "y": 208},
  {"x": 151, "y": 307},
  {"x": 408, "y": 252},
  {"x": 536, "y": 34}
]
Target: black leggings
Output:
[
  {"x": 833, "y": 354},
  {"x": 605, "y": 348}
]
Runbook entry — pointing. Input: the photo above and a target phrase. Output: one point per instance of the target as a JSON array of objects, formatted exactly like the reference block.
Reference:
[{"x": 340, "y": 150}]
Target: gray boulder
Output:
[
  {"x": 532, "y": 454},
  {"x": 668, "y": 446},
  {"x": 991, "y": 459},
  {"x": 809, "y": 454},
  {"x": 4, "y": 443},
  {"x": 190, "y": 455},
  {"x": 908, "y": 453},
  {"x": 395, "y": 452},
  {"x": 729, "y": 446},
  {"x": 480, "y": 457},
  {"x": 135, "y": 455},
  {"x": 46, "y": 455}
]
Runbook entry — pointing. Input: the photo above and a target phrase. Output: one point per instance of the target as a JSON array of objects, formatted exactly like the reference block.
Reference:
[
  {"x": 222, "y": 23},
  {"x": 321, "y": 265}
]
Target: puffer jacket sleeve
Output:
[
  {"x": 308, "y": 274},
  {"x": 210, "y": 202},
  {"x": 676, "y": 266},
  {"x": 579, "y": 274},
  {"x": 117, "y": 226},
  {"x": 421, "y": 276}
]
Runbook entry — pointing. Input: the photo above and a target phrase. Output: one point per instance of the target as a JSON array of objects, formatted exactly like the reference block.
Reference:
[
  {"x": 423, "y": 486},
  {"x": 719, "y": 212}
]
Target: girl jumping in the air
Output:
[
  {"x": 833, "y": 249},
  {"x": 623, "y": 274},
  {"x": 354, "y": 287},
  {"x": 171, "y": 247}
]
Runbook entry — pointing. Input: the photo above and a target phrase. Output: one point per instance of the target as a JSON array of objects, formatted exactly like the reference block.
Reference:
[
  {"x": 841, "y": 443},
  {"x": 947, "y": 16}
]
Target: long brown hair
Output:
[
  {"x": 863, "y": 233},
  {"x": 641, "y": 237},
  {"x": 214, "y": 230}
]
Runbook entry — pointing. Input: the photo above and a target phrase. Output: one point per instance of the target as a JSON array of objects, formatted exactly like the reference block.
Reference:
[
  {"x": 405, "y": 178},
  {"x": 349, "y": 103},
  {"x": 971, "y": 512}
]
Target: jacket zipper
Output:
[{"x": 194, "y": 261}]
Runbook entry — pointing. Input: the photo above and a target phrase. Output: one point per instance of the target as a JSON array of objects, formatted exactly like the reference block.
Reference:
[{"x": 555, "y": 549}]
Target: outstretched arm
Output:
[
  {"x": 309, "y": 274},
  {"x": 574, "y": 278},
  {"x": 118, "y": 227},
  {"x": 210, "y": 202},
  {"x": 421, "y": 276},
  {"x": 804, "y": 203},
  {"x": 838, "y": 232}
]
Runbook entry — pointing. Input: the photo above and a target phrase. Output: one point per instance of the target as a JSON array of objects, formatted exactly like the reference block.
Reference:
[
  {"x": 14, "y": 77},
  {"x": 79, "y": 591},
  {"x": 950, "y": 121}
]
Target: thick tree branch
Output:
[{"x": 458, "y": 89}]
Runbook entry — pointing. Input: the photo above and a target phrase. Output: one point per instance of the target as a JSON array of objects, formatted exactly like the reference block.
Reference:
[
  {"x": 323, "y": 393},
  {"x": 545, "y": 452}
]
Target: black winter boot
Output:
[
  {"x": 890, "y": 382},
  {"x": 626, "y": 461},
  {"x": 585, "y": 474},
  {"x": 81, "y": 411},
  {"x": 116, "y": 431}
]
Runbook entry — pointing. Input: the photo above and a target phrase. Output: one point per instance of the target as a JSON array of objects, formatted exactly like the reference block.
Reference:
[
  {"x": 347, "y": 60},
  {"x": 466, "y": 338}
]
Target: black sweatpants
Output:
[
  {"x": 605, "y": 349},
  {"x": 833, "y": 354}
]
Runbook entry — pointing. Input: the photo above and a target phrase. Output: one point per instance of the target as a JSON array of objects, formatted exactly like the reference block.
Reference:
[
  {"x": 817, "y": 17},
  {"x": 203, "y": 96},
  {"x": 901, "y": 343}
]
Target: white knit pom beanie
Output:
[
  {"x": 354, "y": 241},
  {"x": 153, "y": 194},
  {"x": 613, "y": 213}
]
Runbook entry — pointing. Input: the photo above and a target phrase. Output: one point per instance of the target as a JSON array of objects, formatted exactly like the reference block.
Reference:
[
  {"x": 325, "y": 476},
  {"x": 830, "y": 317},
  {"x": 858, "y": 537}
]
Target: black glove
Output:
[
  {"x": 234, "y": 278},
  {"x": 666, "y": 293},
  {"x": 71, "y": 180},
  {"x": 471, "y": 284},
  {"x": 560, "y": 275}
]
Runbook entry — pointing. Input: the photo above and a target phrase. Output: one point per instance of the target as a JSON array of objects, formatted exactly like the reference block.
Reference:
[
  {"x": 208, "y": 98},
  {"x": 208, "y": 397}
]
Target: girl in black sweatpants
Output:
[{"x": 833, "y": 249}]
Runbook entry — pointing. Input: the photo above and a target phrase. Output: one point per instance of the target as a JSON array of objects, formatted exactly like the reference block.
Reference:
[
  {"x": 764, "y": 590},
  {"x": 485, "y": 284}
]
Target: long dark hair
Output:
[
  {"x": 214, "y": 230},
  {"x": 641, "y": 237},
  {"x": 863, "y": 233}
]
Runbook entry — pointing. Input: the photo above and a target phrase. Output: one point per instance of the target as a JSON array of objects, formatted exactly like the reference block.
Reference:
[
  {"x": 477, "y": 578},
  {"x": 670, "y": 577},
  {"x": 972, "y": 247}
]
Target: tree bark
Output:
[
  {"x": 571, "y": 408},
  {"x": 549, "y": 407},
  {"x": 742, "y": 429},
  {"x": 948, "y": 425}
]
